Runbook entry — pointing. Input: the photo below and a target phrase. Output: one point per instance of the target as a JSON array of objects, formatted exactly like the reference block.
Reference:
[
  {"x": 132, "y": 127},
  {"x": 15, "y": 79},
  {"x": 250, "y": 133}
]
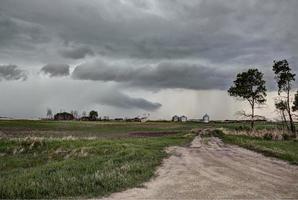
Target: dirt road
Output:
[{"x": 209, "y": 169}]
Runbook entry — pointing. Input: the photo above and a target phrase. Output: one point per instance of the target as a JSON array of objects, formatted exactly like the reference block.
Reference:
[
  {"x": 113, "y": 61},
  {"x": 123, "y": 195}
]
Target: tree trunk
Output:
[
  {"x": 289, "y": 111},
  {"x": 285, "y": 120},
  {"x": 252, "y": 115}
]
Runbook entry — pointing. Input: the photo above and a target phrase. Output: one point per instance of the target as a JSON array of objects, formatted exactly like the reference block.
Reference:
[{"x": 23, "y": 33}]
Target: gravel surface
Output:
[{"x": 209, "y": 169}]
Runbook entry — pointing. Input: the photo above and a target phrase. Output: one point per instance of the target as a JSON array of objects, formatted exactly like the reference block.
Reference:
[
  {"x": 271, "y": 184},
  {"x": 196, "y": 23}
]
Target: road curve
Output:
[{"x": 209, "y": 169}]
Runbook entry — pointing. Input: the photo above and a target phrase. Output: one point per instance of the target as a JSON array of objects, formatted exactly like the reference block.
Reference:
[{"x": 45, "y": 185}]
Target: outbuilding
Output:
[
  {"x": 206, "y": 118},
  {"x": 183, "y": 118},
  {"x": 175, "y": 118}
]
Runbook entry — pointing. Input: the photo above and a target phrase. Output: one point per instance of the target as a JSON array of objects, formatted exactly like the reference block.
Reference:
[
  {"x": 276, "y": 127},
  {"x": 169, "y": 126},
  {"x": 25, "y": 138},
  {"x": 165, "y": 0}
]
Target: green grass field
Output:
[
  {"x": 242, "y": 126},
  {"x": 49, "y": 166},
  {"x": 284, "y": 149},
  {"x": 73, "y": 159},
  {"x": 39, "y": 128},
  {"x": 52, "y": 168}
]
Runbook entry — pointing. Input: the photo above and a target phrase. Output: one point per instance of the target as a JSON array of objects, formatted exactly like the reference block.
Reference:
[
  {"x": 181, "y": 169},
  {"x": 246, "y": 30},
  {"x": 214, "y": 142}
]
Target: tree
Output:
[
  {"x": 49, "y": 113},
  {"x": 93, "y": 115},
  {"x": 284, "y": 78},
  {"x": 281, "y": 106},
  {"x": 84, "y": 114},
  {"x": 250, "y": 86},
  {"x": 75, "y": 114}
]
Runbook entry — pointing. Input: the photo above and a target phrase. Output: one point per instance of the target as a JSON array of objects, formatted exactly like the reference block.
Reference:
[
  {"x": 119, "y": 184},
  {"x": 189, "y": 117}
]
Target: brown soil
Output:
[{"x": 209, "y": 169}]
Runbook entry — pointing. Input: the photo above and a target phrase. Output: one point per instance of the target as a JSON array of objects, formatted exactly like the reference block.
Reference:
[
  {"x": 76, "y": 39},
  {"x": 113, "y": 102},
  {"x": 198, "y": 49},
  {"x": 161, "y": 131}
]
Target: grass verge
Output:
[
  {"x": 285, "y": 150},
  {"x": 55, "y": 168}
]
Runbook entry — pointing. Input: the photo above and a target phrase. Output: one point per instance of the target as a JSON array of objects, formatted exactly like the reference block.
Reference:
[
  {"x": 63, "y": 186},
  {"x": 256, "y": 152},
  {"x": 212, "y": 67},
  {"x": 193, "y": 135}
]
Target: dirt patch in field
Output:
[{"x": 151, "y": 134}]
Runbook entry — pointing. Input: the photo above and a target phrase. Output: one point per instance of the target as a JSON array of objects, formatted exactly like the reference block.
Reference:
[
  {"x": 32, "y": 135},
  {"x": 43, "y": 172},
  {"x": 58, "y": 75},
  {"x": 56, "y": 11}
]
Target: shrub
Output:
[
  {"x": 218, "y": 133},
  {"x": 242, "y": 128},
  {"x": 286, "y": 136},
  {"x": 268, "y": 136}
]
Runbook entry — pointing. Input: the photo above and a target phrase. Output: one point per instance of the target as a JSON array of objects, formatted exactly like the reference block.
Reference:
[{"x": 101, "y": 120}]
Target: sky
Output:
[{"x": 127, "y": 58}]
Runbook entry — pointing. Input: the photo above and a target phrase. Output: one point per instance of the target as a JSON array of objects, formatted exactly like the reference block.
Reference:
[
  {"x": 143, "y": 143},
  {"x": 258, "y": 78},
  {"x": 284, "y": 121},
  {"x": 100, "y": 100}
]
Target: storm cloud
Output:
[
  {"x": 164, "y": 75},
  {"x": 147, "y": 46},
  {"x": 54, "y": 70},
  {"x": 76, "y": 53},
  {"x": 12, "y": 72},
  {"x": 252, "y": 31},
  {"x": 121, "y": 100}
]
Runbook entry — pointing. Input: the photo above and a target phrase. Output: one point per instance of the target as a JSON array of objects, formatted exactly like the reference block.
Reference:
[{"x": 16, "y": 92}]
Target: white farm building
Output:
[
  {"x": 206, "y": 118},
  {"x": 176, "y": 118},
  {"x": 183, "y": 118}
]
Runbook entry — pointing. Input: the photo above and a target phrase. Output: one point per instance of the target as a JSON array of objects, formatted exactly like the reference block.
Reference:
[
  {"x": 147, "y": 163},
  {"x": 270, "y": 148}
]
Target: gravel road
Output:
[{"x": 209, "y": 169}]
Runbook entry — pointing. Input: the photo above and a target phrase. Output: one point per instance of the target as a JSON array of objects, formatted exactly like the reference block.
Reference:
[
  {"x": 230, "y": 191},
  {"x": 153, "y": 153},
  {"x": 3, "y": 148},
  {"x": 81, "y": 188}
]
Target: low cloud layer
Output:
[
  {"x": 56, "y": 70},
  {"x": 164, "y": 75},
  {"x": 76, "y": 53},
  {"x": 120, "y": 100},
  {"x": 12, "y": 72}
]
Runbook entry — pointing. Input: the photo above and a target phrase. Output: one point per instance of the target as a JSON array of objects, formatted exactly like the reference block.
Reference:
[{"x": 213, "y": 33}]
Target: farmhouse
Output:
[
  {"x": 206, "y": 118},
  {"x": 64, "y": 116}
]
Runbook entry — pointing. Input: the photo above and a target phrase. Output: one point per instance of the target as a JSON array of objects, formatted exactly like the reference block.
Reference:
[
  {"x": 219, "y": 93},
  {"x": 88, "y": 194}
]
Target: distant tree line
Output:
[
  {"x": 93, "y": 115},
  {"x": 250, "y": 86}
]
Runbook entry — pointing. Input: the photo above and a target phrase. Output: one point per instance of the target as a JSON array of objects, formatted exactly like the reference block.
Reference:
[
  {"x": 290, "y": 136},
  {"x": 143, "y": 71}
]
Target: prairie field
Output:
[
  {"x": 50, "y": 159},
  {"x": 64, "y": 159},
  {"x": 282, "y": 149},
  {"x": 83, "y": 129}
]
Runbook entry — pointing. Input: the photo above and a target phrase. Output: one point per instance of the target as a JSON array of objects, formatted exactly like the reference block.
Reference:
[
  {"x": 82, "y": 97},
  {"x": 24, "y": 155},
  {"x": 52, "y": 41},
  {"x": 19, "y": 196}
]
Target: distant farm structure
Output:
[
  {"x": 206, "y": 118},
  {"x": 176, "y": 118}
]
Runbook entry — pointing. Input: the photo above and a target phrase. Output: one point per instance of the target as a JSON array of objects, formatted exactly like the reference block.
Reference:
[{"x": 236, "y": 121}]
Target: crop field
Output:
[{"x": 65, "y": 159}]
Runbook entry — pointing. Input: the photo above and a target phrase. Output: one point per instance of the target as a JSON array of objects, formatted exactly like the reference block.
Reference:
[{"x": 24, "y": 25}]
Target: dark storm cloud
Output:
[
  {"x": 249, "y": 32},
  {"x": 77, "y": 53},
  {"x": 120, "y": 100},
  {"x": 11, "y": 72},
  {"x": 164, "y": 75},
  {"x": 149, "y": 44},
  {"x": 17, "y": 32},
  {"x": 54, "y": 70}
]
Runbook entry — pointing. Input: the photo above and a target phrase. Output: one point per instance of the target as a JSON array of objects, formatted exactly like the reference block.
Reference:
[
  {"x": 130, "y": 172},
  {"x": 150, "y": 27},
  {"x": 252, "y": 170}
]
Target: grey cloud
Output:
[
  {"x": 117, "y": 99},
  {"x": 253, "y": 31},
  {"x": 77, "y": 53},
  {"x": 11, "y": 72},
  {"x": 20, "y": 33},
  {"x": 54, "y": 70},
  {"x": 139, "y": 34},
  {"x": 164, "y": 75}
]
